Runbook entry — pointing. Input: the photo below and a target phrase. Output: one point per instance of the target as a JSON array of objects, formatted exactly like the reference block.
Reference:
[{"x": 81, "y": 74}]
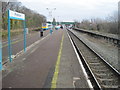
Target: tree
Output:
[
  {"x": 108, "y": 25},
  {"x": 33, "y": 19}
]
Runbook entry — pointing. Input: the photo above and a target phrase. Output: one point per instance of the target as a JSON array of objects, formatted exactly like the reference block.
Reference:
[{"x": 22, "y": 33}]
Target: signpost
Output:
[
  {"x": 0, "y": 41},
  {"x": 18, "y": 16}
]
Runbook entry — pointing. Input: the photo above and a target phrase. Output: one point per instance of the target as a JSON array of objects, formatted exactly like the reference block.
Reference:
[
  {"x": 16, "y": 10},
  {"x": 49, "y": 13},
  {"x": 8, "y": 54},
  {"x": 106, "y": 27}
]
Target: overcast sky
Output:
[{"x": 70, "y": 10}]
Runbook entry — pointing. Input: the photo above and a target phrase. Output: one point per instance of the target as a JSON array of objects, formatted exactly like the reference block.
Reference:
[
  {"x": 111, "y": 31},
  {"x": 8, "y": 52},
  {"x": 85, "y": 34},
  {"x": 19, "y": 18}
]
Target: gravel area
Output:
[
  {"x": 107, "y": 50},
  {"x": 101, "y": 33}
]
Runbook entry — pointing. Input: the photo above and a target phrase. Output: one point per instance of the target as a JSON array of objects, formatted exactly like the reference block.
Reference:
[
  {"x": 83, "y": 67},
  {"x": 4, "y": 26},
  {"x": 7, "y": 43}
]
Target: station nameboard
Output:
[{"x": 16, "y": 15}]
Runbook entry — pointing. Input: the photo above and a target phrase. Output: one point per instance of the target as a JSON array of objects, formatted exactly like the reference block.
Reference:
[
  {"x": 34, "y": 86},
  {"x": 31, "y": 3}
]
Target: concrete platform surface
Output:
[
  {"x": 36, "y": 68},
  {"x": 70, "y": 71}
]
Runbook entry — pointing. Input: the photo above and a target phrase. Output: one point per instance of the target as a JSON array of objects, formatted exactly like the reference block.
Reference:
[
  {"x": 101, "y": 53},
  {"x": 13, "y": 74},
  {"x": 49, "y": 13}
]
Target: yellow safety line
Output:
[
  {"x": 14, "y": 42},
  {"x": 54, "y": 79}
]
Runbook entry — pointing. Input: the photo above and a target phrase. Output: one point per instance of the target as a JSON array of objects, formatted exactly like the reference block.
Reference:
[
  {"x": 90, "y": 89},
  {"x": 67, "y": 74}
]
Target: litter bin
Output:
[{"x": 41, "y": 32}]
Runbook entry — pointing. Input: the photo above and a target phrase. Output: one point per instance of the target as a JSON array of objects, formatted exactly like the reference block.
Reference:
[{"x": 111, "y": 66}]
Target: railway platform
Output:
[
  {"x": 70, "y": 72},
  {"x": 50, "y": 63}
]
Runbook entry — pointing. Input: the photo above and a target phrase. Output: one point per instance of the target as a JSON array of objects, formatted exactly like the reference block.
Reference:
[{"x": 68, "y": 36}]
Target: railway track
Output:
[{"x": 101, "y": 73}]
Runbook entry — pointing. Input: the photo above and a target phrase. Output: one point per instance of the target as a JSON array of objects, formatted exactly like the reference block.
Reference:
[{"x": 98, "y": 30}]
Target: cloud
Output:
[{"x": 73, "y": 9}]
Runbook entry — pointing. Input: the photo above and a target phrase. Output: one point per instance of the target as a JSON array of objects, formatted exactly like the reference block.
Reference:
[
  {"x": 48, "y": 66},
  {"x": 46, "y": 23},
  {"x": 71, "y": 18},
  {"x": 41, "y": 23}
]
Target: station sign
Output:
[{"x": 16, "y": 15}]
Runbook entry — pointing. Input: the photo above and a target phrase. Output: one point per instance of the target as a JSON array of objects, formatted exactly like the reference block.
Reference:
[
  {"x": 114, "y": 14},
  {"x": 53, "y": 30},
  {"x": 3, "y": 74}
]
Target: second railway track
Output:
[{"x": 101, "y": 73}]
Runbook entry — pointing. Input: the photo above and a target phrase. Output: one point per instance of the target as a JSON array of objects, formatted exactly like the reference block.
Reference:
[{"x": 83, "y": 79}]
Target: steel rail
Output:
[{"x": 86, "y": 64}]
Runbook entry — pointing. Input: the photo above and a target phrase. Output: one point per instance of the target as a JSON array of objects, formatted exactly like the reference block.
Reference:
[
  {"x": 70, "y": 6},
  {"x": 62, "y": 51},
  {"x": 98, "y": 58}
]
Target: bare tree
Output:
[{"x": 108, "y": 25}]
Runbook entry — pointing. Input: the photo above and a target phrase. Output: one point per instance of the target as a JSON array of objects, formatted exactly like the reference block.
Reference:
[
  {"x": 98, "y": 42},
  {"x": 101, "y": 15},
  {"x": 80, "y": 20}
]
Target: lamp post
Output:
[
  {"x": 58, "y": 20},
  {"x": 50, "y": 14}
]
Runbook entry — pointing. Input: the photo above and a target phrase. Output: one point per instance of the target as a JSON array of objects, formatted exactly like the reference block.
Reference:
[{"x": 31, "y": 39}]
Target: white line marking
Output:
[
  {"x": 33, "y": 50},
  {"x": 74, "y": 80},
  {"x": 27, "y": 48},
  {"x": 83, "y": 69}
]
